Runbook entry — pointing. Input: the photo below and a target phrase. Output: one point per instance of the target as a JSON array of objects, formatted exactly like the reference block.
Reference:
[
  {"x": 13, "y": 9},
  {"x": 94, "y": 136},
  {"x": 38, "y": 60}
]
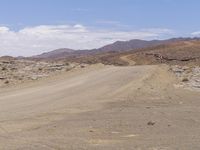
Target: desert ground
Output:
[{"x": 102, "y": 107}]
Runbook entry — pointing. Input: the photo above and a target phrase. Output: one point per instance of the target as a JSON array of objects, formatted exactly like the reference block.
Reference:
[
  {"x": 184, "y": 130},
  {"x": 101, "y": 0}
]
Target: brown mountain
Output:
[
  {"x": 117, "y": 47},
  {"x": 58, "y": 53},
  {"x": 130, "y": 45}
]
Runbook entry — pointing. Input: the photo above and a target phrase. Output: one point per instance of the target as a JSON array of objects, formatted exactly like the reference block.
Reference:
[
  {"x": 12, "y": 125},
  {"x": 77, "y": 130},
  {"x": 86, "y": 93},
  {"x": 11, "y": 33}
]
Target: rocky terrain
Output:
[
  {"x": 15, "y": 71},
  {"x": 189, "y": 77}
]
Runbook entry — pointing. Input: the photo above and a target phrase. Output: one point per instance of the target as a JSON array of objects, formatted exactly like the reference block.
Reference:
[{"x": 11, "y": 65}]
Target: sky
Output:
[{"x": 30, "y": 27}]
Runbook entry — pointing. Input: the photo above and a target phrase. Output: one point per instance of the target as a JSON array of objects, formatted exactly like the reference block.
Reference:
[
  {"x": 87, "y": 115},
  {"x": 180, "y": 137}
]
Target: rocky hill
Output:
[{"x": 181, "y": 52}]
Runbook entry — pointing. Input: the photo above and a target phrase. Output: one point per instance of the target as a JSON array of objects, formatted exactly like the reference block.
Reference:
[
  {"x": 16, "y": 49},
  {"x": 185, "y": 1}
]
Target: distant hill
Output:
[
  {"x": 55, "y": 53},
  {"x": 119, "y": 46},
  {"x": 7, "y": 58},
  {"x": 115, "y": 47},
  {"x": 130, "y": 45}
]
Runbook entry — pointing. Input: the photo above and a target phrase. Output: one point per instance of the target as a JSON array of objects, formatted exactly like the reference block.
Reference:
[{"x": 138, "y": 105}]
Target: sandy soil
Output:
[{"x": 101, "y": 107}]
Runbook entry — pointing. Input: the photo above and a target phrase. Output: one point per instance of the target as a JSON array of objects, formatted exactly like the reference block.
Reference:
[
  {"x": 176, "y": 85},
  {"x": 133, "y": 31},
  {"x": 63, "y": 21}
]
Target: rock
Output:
[
  {"x": 4, "y": 68},
  {"x": 34, "y": 78},
  {"x": 195, "y": 85},
  {"x": 185, "y": 80},
  {"x": 150, "y": 123},
  {"x": 6, "y": 82},
  {"x": 177, "y": 69}
]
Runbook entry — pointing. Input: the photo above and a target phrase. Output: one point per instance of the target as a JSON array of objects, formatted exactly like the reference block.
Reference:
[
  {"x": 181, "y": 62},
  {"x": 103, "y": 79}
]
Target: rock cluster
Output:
[
  {"x": 17, "y": 71},
  {"x": 189, "y": 76}
]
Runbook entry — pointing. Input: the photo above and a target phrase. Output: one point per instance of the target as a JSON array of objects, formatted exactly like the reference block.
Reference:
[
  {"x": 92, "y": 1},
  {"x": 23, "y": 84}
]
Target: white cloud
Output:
[
  {"x": 159, "y": 30},
  {"x": 197, "y": 33},
  {"x": 4, "y": 29},
  {"x": 35, "y": 40}
]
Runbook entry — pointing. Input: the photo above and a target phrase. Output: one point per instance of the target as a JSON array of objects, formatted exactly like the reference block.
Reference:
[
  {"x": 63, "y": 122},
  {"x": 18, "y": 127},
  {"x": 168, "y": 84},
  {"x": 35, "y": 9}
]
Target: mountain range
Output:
[{"x": 119, "y": 46}]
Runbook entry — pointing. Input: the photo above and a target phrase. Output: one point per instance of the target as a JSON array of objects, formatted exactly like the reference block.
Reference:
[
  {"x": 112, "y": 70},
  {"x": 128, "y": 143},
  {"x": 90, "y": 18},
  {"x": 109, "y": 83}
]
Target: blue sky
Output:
[
  {"x": 180, "y": 15},
  {"x": 127, "y": 19}
]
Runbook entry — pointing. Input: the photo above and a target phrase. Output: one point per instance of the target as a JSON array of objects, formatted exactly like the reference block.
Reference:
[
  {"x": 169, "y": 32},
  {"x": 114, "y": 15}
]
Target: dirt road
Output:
[
  {"x": 128, "y": 60},
  {"x": 101, "y": 108}
]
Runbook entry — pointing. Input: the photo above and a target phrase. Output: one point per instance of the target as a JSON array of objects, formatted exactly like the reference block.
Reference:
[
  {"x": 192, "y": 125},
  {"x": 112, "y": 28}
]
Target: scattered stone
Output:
[{"x": 150, "y": 123}]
